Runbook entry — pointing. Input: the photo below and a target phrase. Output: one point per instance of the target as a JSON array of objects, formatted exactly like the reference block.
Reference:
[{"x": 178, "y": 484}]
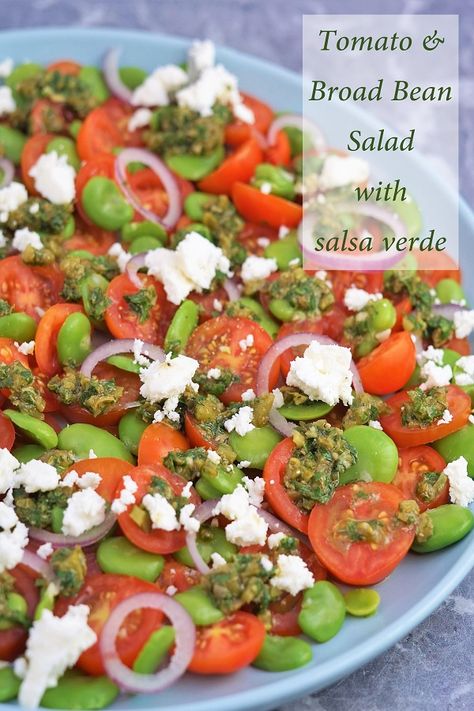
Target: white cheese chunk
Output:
[
  {"x": 162, "y": 514},
  {"x": 217, "y": 561},
  {"x": 126, "y": 497},
  {"x": 54, "y": 178},
  {"x": 158, "y": 85},
  {"x": 45, "y": 551},
  {"x": 27, "y": 348},
  {"x": 168, "y": 379},
  {"x": 7, "y": 102},
  {"x": 36, "y": 475},
  {"x": 293, "y": 575},
  {"x": 275, "y": 539},
  {"x": 13, "y": 538},
  {"x": 122, "y": 256},
  {"x": 24, "y": 238},
  {"x": 248, "y": 530},
  {"x": 446, "y": 419},
  {"x": 461, "y": 485},
  {"x": 139, "y": 119},
  {"x": 255, "y": 268},
  {"x": 85, "y": 510},
  {"x": 357, "y": 299},
  {"x": 8, "y": 465},
  {"x": 435, "y": 376},
  {"x": 201, "y": 56},
  {"x": 463, "y": 323},
  {"x": 466, "y": 376},
  {"x": 431, "y": 353},
  {"x": 187, "y": 520},
  {"x": 323, "y": 373},
  {"x": 256, "y": 489},
  {"x": 11, "y": 197},
  {"x": 241, "y": 422}
]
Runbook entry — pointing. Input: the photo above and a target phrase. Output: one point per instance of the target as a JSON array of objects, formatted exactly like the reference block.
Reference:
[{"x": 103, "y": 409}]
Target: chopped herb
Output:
[
  {"x": 424, "y": 407},
  {"x": 24, "y": 390},
  {"x": 70, "y": 568},
  {"x": 142, "y": 302},
  {"x": 95, "y": 395}
]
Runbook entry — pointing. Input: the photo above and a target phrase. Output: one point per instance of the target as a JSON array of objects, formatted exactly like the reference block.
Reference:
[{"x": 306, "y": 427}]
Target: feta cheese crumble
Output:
[
  {"x": 36, "y": 475},
  {"x": 11, "y": 198},
  {"x": 436, "y": 376},
  {"x": 123, "y": 257},
  {"x": 85, "y": 510},
  {"x": 293, "y": 575},
  {"x": 357, "y": 299},
  {"x": 186, "y": 519},
  {"x": 201, "y": 56},
  {"x": 7, "y": 102},
  {"x": 323, "y": 373},
  {"x": 255, "y": 268},
  {"x": 217, "y": 561},
  {"x": 45, "y": 551},
  {"x": 24, "y": 238},
  {"x": 54, "y": 178},
  {"x": 246, "y": 342},
  {"x": 463, "y": 323},
  {"x": 214, "y": 373},
  {"x": 241, "y": 422},
  {"x": 274, "y": 539},
  {"x": 431, "y": 353},
  {"x": 255, "y": 488},
  {"x": 247, "y": 527},
  {"x": 167, "y": 380},
  {"x": 8, "y": 466},
  {"x": 162, "y": 514},
  {"x": 139, "y": 119},
  {"x": 248, "y": 395},
  {"x": 339, "y": 171},
  {"x": 27, "y": 348},
  {"x": 155, "y": 90},
  {"x": 446, "y": 419},
  {"x": 375, "y": 424},
  {"x": 466, "y": 377},
  {"x": 54, "y": 645},
  {"x": 461, "y": 486},
  {"x": 13, "y": 538},
  {"x": 213, "y": 456}
]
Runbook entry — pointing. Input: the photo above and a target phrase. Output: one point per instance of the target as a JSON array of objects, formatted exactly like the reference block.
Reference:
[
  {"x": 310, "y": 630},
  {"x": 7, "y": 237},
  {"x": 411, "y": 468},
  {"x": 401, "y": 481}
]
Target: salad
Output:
[{"x": 208, "y": 453}]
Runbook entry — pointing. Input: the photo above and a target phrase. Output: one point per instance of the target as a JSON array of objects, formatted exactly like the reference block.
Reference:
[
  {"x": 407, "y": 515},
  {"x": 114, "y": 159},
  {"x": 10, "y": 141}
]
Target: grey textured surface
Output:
[{"x": 433, "y": 666}]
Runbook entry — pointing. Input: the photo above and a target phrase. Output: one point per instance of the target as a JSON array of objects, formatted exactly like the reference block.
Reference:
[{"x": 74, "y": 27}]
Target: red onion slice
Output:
[
  {"x": 232, "y": 289},
  {"x": 140, "y": 155},
  {"x": 8, "y": 172},
  {"x": 301, "y": 122},
  {"x": 448, "y": 310},
  {"x": 338, "y": 260},
  {"x": 185, "y": 630},
  {"x": 120, "y": 345},
  {"x": 112, "y": 76},
  {"x": 277, "y": 526},
  {"x": 135, "y": 263},
  {"x": 33, "y": 561},
  {"x": 58, "y": 540},
  {"x": 279, "y": 422},
  {"x": 203, "y": 513}
]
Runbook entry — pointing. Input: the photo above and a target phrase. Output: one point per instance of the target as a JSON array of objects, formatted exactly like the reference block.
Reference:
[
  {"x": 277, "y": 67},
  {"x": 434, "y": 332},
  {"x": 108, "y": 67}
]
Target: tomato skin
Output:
[
  {"x": 89, "y": 237},
  {"x": 7, "y": 433},
  {"x": 98, "y": 134},
  {"x": 130, "y": 382},
  {"x": 342, "y": 280},
  {"x": 13, "y": 640},
  {"x": 460, "y": 345},
  {"x": 111, "y": 470},
  {"x": 47, "y": 334},
  {"x": 123, "y": 322},
  {"x": 65, "y": 66},
  {"x": 29, "y": 288},
  {"x": 412, "y": 463},
  {"x": 179, "y": 575},
  {"x": 251, "y": 234},
  {"x": 357, "y": 563},
  {"x": 240, "y": 166},
  {"x": 207, "y": 341},
  {"x": 229, "y": 645},
  {"x": 102, "y": 593},
  {"x": 459, "y": 405},
  {"x": 194, "y": 434},
  {"x": 9, "y": 352},
  {"x": 157, "y": 540},
  {"x": 280, "y": 152},
  {"x": 437, "y": 266},
  {"x": 32, "y": 150},
  {"x": 157, "y": 441},
  {"x": 275, "y": 492},
  {"x": 238, "y": 132},
  {"x": 389, "y": 366},
  {"x": 41, "y": 114},
  {"x": 206, "y": 302},
  {"x": 256, "y": 206}
]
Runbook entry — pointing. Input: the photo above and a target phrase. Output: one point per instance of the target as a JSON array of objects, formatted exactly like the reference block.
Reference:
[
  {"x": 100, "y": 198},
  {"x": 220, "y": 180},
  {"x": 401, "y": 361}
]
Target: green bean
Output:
[
  {"x": 255, "y": 446},
  {"x": 323, "y": 611},
  {"x": 181, "y": 327},
  {"x": 27, "y": 70},
  {"x": 26, "y": 452},
  {"x": 105, "y": 205},
  {"x": 281, "y": 309},
  {"x": 257, "y": 313},
  {"x": 65, "y": 146},
  {"x": 154, "y": 651},
  {"x": 47, "y": 600},
  {"x": 307, "y": 411},
  {"x": 93, "y": 77},
  {"x": 206, "y": 491},
  {"x": 17, "y": 605},
  {"x": 196, "y": 167},
  {"x": 377, "y": 455},
  {"x": 57, "y": 516},
  {"x": 130, "y": 430},
  {"x": 18, "y": 326},
  {"x": 144, "y": 244},
  {"x": 93, "y": 292},
  {"x": 117, "y": 555},
  {"x": 70, "y": 228},
  {"x": 124, "y": 362},
  {"x": 12, "y": 143},
  {"x": 450, "y": 524},
  {"x": 284, "y": 250},
  {"x": 80, "y": 438},
  {"x": 382, "y": 315},
  {"x": 132, "y": 230},
  {"x": 81, "y": 692},
  {"x": 297, "y": 139},
  {"x": 194, "y": 204},
  {"x": 448, "y": 290},
  {"x": 280, "y": 181},
  {"x": 362, "y": 602},
  {"x": 33, "y": 428},
  {"x": 75, "y": 127},
  {"x": 74, "y": 340},
  {"x": 458, "y": 444},
  {"x": 280, "y": 654},
  {"x": 9, "y": 684},
  {"x": 200, "y": 606},
  {"x": 209, "y": 540},
  {"x": 224, "y": 481},
  {"x": 132, "y": 76}
]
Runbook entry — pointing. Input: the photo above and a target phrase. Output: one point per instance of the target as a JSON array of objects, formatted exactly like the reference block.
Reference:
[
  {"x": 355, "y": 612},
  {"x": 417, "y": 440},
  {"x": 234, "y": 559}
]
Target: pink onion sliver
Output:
[
  {"x": 277, "y": 526},
  {"x": 337, "y": 260},
  {"x": 232, "y": 289},
  {"x": 280, "y": 423},
  {"x": 185, "y": 639},
  {"x": 88, "y": 538},
  {"x": 34, "y": 562},
  {"x": 135, "y": 263},
  {"x": 140, "y": 155},
  {"x": 8, "y": 169},
  {"x": 448, "y": 310},
  {"x": 112, "y": 76},
  {"x": 203, "y": 513},
  {"x": 300, "y": 122},
  {"x": 120, "y": 345}
]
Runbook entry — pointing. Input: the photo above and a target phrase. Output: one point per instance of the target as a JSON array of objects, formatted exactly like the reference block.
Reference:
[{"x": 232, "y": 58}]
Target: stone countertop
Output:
[{"x": 431, "y": 667}]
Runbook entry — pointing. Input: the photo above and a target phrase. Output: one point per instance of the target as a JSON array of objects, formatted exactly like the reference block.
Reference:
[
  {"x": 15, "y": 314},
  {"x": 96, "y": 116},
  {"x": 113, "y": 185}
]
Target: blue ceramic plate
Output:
[{"x": 420, "y": 583}]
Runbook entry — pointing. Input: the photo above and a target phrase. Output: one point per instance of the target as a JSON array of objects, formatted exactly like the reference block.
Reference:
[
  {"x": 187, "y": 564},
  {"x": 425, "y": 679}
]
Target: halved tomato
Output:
[
  {"x": 47, "y": 336},
  {"x": 111, "y": 471},
  {"x": 98, "y": 134},
  {"x": 157, "y": 441},
  {"x": 389, "y": 366},
  {"x": 275, "y": 492},
  {"x": 259, "y": 207},
  {"x": 413, "y": 463},
  {"x": 13, "y": 639},
  {"x": 29, "y": 289},
  {"x": 32, "y": 150},
  {"x": 238, "y": 132},
  {"x": 238, "y": 166}
]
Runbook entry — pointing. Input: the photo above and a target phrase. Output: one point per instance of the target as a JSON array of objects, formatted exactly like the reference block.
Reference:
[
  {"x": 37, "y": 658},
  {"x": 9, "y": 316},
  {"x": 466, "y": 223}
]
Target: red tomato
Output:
[
  {"x": 252, "y": 233},
  {"x": 389, "y": 366},
  {"x": 330, "y": 324},
  {"x": 111, "y": 470},
  {"x": 285, "y": 614},
  {"x": 413, "y": 462},
  {"x": 32, "y": 150},
  {"x": 130, "y": 383},
  {"x": 216, "y": 343},
  {"x": 98, "y": 134},
  {"x": 360, "y": 562},
  {"x": 123, "y": 322},
  {"x": 156, "y": 540},
  {"x": 9, "y": 353},
  {"x": 13, "y": 640},
  {"x": 42, "y": 113},
  {"x": 275, "y": 491},
  {"x": 47, "y": 335},
  {"x": 195, "y": 434},
  {"x": 178, "y": 575},
  {"x": 102, "y": 593},
  {"x": 342, "y": 280},
  {"x": 228, "y": 646},
  {"x": 460, "y": 345},
  {"x": 238, "y": 132},
  {"x": 280, "y": 153},
  {"x": 403, "y": 308},
  {"x": 437, "y": 266},
  {"x": 101, "y": 165},
  {"x": 256, "y": 206},
  {"x": 459, "y": 405},
  {"x": 29, "y": 288},
  {"x": 206, "y": 301},
  {"x": 7, "y": 433},
  {"x": 157, "y": 441},
  {"x": 89, "y": 237},
  {"x": 65, "y": 66},
  {"x": 50, "y": 399},
  {"x": 238, "y": 166}
]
